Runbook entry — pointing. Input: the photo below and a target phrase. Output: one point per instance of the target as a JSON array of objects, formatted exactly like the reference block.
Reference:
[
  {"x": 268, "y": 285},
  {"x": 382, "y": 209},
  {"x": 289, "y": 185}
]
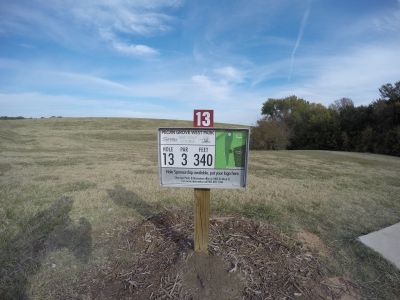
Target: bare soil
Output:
[
  {"x": 247, "y": 260},
  {"x": 313, "y": 242},
  {"x": 343, "y": 287}
]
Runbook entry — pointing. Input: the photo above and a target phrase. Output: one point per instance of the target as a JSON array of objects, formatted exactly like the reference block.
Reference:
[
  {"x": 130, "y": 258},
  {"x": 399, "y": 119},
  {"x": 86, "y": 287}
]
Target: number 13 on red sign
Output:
[{"x": 203, "y": 118}]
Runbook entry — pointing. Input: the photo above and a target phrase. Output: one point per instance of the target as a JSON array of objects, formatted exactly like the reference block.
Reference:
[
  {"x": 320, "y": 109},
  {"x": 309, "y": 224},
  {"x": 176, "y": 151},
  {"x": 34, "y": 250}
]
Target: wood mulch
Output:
[{"x": 247, "y": 260}]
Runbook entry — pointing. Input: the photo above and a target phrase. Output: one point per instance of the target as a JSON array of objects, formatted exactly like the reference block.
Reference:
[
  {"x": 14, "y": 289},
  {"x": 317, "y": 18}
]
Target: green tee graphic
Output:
[{"x": 230, "y": 149}]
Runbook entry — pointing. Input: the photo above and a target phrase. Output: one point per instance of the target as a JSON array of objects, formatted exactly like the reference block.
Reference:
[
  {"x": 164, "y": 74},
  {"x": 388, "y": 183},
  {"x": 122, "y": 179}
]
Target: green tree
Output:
[
  {"x": 281, "y": 109},
  {"x": 314, "y": 127},
  {"x": 269, "y": 135},
  {"x": 298, "y": 124}
]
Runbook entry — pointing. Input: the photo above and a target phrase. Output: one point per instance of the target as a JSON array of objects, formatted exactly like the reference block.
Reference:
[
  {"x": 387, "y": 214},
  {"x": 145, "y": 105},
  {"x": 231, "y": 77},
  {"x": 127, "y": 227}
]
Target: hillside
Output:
[{"x": 69, "y": 188}]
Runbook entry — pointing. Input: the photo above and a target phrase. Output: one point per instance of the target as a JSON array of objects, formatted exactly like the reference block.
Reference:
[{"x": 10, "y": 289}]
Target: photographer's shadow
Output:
[{"x": 51, "y": 229}]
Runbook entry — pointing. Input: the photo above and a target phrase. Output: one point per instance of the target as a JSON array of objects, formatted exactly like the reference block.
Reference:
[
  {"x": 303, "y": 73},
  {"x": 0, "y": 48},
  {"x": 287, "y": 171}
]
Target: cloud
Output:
[
  {"x": 125, "y": 48},
  {"x": 131, "y": 17},
  {"x": 135, "y": 50},
  {"x": 389, "y": 22},
  {"x": 378, "y": 25},
  {"x": 270, "y": 71},
  {"x": 111, "y": 21},
  {"x": 36, "y": 104},
  {"x": 299, "y": 37},
  {"x": 210, "y": 89},
  {"x": 80, "y": 80},
  {"x": 357, "y": 73},
  {"x": 229, "y": 73}
]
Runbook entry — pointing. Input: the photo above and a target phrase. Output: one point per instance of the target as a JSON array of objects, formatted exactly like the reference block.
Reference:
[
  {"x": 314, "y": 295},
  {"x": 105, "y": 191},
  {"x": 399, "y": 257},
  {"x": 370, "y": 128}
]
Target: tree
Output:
[
  {"x": 314, "y": 127},
  {"x": 307, "y": 125},
  {"x": 342, "y": 104},
  {"x": 269, "y": 135},
  {"x": 280, "y": 109},
  {"x": 298, "y": 124},
  {"x": 390, "y": 92}
]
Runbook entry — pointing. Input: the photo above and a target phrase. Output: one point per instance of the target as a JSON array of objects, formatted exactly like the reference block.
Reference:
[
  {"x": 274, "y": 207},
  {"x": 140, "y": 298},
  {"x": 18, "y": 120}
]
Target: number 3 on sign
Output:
[{"x": 203, "y": 118}]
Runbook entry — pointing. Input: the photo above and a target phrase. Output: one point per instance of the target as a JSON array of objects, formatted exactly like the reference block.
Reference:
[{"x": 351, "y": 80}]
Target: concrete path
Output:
[{"x": 386, "y": 242}]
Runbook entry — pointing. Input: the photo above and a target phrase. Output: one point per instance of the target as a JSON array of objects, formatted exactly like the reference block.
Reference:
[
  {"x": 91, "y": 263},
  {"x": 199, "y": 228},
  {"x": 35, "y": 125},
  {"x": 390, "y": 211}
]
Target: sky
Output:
[{"x": 164, "y": 58}]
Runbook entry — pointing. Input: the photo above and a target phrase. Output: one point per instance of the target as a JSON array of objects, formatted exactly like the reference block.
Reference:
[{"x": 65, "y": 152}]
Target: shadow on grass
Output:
[
  {"x": 123, "y": 197},
  {"x": 21, "y": 256}
]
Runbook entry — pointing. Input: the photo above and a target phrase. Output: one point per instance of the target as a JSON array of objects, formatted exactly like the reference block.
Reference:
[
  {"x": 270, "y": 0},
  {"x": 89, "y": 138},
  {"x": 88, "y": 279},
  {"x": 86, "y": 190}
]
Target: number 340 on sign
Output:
[{"x": 176, "y": 156}]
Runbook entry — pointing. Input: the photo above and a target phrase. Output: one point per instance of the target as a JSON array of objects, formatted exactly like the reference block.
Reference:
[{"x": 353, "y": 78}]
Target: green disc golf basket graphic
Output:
[
  {"x": 230, "y": 149},
  {"x": 238, "y": 153}
]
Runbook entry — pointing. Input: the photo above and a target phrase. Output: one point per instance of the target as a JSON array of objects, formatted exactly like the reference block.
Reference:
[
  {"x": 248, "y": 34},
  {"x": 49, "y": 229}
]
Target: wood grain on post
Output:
[{"x": 201, "y": 219}]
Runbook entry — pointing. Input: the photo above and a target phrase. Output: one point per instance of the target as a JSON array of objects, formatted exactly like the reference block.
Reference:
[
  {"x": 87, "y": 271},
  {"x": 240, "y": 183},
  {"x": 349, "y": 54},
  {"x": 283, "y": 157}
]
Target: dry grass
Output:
[{"x": 108, "y": 169}]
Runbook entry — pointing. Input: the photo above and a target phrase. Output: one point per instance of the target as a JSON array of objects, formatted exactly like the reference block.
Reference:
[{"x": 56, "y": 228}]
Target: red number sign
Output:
[{"x": 203, "y": 118}]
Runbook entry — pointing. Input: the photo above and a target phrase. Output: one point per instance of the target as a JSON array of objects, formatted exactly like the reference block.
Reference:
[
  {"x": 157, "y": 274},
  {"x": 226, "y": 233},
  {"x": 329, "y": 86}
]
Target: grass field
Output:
[{"x": 68, "y": 185}]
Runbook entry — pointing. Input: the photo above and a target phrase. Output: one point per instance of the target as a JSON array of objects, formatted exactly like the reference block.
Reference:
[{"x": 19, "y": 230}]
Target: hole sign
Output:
[{"x": 203, "y": 118}]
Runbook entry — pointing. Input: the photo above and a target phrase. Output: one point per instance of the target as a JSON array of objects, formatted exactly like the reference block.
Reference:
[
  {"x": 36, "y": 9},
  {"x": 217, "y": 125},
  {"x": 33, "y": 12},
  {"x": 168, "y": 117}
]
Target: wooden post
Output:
[
  {"x": 201, "y": 220},
  {"x": 202, "y": 118}
]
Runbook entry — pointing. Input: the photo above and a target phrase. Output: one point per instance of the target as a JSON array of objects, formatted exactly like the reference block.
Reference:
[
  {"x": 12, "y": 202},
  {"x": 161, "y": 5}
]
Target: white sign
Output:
[{"x": 203, "y": 157}]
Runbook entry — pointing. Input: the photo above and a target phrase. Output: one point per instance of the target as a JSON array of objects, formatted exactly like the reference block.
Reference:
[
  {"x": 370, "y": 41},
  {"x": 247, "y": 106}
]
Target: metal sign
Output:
[
  {"x": 203, "y": 118},
  {"x": 203, "y": 157}
]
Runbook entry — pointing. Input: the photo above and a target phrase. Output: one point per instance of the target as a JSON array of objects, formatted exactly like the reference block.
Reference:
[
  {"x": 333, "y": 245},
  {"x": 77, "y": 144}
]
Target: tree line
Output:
[
  {"x": 23, "y": 118},
  {"x": 11, "y": 118},
  {"x": 294, "y": 123}
]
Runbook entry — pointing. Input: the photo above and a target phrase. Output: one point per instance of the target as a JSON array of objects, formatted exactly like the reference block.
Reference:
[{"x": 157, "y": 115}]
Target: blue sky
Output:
[{"x": 164, "y": 58}]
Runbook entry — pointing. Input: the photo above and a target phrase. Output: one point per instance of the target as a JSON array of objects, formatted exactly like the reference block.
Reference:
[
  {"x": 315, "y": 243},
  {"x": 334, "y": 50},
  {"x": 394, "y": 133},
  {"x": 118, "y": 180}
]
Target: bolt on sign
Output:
[{"x": 203, "y": 157}]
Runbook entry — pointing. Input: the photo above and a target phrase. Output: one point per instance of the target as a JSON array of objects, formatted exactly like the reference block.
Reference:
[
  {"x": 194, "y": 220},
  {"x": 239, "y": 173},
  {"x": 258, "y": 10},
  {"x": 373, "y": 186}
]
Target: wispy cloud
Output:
[
  {"x": 357, "y": 74},
  {"x": 135, "y": 50},
  {"x": 131, "y": 17},
  {"x": 229, "y": 73},
  {"x": 303, "y": 23},
  {"x": 118, "y": 23},
  {"x": 68, "y": 106},
  {"x": 211, "y": 89},
  {"x": 389, "y": 22},
  {"x": 79, "y": 80},
  {"x": 125, "y": 48}
]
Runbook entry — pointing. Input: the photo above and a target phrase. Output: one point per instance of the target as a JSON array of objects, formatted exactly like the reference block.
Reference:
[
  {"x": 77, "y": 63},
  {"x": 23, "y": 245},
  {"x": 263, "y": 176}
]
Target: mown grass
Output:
[{"x": 108, "y": 169}]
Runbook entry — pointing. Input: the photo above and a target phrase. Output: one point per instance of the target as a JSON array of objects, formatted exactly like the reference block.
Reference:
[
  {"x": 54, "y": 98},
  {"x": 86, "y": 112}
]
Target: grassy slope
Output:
[{"x": 97, "y": 162}]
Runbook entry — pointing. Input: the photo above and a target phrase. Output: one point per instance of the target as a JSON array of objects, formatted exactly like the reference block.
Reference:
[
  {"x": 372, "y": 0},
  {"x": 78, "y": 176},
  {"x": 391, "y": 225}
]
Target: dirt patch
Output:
[
  {"x": 208, "y": 277},
  {"x": 343, "y": 287},
  {"x": 248, "y": 260},
  {"x": 313, "y": 242}
]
